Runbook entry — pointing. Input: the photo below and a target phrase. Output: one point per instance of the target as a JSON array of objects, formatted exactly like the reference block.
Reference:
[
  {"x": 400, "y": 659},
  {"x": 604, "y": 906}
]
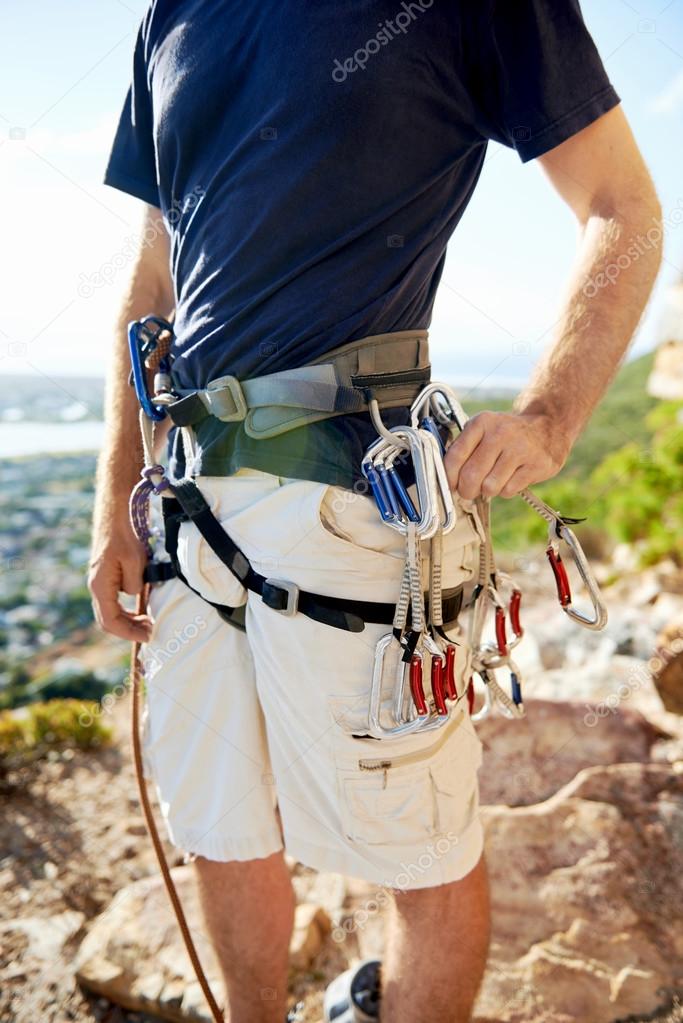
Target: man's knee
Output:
[{"x": 469, "y": 894}]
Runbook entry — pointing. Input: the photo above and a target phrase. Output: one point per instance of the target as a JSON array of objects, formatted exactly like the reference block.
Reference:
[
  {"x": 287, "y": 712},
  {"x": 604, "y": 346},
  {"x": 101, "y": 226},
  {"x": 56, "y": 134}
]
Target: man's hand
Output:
[
  {"x": 500, "y": 453},
  {"x": 116, "y": 566}
]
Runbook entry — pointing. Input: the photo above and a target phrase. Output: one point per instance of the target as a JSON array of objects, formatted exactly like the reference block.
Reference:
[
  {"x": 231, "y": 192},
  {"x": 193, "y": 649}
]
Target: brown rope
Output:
[
  {"x": 136, "y": 675},
  {"x": 162, "y": 349}
]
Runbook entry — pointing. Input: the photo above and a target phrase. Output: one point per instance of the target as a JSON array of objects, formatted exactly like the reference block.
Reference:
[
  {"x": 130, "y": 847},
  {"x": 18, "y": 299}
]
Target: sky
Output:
[{"x": 64, "y": 71}]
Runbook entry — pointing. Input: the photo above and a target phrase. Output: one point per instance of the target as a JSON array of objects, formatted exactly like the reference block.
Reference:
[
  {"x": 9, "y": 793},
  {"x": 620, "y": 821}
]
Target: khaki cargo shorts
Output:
[{"x": 252, "y": 739}]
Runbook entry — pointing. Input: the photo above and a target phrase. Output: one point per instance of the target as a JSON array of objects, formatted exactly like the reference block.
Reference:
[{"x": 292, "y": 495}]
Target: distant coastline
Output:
[{"x": 18, "y": 440}]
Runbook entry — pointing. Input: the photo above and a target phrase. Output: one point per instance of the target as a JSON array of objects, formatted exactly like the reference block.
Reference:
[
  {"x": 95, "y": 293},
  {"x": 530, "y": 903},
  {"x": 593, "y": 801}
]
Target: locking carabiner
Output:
[{"x": 143, "y": 341}]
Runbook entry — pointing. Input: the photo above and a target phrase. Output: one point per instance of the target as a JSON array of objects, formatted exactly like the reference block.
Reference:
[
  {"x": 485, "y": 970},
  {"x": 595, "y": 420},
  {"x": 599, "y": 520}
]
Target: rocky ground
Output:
[{"x": 584, "y": 827}]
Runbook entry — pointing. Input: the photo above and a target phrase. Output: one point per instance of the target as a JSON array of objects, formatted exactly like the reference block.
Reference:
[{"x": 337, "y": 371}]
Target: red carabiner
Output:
[
  {"x": 470, "y": 694},
  {"x": 515, "y": 621},
  {"x": 416, "y": 690},
  {"x": 501, "y": 633},
  {"x": 564, "y": 593},
  {"x": 451, "y": 691},
  {"x": 437, "y": 686}
]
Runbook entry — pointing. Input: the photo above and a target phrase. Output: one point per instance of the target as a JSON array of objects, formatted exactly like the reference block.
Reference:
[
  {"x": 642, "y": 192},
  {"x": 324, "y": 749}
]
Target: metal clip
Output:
[
  {"x": 598, "y": 619},
  {"x": 143, "y": 340},
  {"x": 376, "y": 728}
]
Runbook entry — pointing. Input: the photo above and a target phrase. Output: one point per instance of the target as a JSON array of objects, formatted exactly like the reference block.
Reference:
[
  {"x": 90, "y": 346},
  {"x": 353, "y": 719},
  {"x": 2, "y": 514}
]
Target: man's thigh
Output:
[{"x": 205, "y": 744}]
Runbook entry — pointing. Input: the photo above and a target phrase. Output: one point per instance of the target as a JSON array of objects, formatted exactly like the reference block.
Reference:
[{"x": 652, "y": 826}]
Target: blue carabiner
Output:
[
  {"x": 427, "y": 423},
  {"x": 385, "y": 480},
  {"x": 515, "y": 689},
  {"x": 403, "y": 495},
  {"x": 378, "y": 493},
  {"x": 141, "y": 343}
]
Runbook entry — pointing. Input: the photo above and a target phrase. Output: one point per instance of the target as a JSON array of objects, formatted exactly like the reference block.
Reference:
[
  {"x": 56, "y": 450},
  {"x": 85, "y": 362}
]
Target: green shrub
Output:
[
  {"x": 55, "y": 724},
  {"x": 71, "y": 722},
  {"x": 641, "y": 488}
]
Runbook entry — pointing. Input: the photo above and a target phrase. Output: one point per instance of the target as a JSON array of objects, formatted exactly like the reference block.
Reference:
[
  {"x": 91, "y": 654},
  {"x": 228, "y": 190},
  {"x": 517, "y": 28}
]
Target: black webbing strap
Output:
[
  {"x": 159, "y": 572},
  {"x": 279, "y": 595},
  {"x": 174, "y": 516}
]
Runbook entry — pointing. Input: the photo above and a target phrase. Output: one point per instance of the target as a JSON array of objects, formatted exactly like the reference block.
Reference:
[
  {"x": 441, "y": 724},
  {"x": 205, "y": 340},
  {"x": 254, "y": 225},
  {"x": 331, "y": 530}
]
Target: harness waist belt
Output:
[{"x": 392, "y": 368}]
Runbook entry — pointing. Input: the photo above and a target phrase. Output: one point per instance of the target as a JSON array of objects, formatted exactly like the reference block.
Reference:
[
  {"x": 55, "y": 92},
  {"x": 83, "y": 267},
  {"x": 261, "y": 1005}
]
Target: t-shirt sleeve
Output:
[
  {"x": 132, "y": 163},
  {"x": 539, "y": 78}
]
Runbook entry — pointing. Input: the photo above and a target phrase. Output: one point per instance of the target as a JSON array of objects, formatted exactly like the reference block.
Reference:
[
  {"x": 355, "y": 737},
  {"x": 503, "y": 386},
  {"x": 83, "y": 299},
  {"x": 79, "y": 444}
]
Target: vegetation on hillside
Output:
[
  {"x": 625, "y": 475},
  {"x": 58, "y": 724}
]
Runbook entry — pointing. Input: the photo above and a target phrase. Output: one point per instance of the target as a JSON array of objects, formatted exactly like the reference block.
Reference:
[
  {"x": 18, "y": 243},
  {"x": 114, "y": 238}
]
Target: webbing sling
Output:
[{"x": 279, "y": 595}]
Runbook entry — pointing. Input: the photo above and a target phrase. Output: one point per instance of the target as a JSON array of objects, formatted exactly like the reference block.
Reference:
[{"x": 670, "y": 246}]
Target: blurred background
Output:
[{"x": 70, "y": 836}]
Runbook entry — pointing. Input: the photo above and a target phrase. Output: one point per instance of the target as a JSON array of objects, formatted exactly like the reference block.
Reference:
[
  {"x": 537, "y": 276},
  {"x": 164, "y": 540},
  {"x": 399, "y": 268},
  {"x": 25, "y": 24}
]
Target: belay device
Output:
[{"x": 414, "y": 683}]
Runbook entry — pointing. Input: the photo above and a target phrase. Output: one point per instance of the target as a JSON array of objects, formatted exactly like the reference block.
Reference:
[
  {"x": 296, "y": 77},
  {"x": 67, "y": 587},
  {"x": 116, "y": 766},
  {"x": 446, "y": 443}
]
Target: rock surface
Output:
[
  {"x": 587, "y": 890},
  {"x": 668, "y": 679},
  {"x": 587, "y": 899},
  {"x": 526, "y": 763},
  {"x": 134, "y": 954}
]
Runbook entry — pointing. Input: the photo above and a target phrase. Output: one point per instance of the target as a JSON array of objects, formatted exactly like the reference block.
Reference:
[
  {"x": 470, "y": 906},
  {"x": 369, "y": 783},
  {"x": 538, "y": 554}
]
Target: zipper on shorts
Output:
[{"x": 385, "y": 763}]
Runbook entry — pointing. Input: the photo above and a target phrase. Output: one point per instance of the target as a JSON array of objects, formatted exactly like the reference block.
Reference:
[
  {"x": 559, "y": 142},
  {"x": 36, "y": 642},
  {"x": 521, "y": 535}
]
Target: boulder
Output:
[
  {"x": 134, "y": 954},
  {"x": 668, "y": 678},
  {"x": 526, "y": 762},
  {"x": 587, "y": 897}
]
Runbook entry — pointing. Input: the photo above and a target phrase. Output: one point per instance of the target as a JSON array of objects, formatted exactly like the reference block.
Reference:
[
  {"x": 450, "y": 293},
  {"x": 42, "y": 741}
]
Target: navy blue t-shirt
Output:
[{"x": 312, "y": 160}]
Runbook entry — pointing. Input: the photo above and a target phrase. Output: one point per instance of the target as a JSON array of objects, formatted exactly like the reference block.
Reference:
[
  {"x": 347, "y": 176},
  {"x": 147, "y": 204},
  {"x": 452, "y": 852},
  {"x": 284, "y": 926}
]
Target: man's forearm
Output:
[{"x": 613, "y": 277}]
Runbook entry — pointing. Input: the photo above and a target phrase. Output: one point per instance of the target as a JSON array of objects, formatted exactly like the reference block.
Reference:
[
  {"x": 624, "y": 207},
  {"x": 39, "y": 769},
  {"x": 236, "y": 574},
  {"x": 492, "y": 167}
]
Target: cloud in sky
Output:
[{"x": 670, "y": 99}]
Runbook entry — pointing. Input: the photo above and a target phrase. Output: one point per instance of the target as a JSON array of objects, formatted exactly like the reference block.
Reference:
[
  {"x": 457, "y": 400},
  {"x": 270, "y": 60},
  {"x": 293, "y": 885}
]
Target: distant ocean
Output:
[{"x": 26, "y": 438}]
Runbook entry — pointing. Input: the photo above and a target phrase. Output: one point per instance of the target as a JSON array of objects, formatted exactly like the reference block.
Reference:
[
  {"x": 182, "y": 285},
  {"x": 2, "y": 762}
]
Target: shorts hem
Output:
[
  {"x": 408, "y": 874},
  {"x": 225, "y": 850}
]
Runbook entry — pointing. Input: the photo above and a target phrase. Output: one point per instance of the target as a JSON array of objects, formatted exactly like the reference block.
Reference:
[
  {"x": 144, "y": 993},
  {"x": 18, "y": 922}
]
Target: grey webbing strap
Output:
[{"x": 389, "y": 367}]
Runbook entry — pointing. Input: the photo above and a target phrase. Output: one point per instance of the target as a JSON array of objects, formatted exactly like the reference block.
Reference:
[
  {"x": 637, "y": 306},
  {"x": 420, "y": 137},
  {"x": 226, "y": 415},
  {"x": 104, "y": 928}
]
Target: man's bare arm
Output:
[
  {"x": 602, "y": 177},
  {"x": 117, "y": 559}
]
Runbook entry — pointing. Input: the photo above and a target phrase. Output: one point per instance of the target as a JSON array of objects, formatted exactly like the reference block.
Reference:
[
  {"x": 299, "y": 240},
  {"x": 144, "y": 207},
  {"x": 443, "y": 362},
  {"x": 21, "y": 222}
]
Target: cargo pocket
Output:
[
  {"x": 403, "y": 791},
  {"x": 378, "y": 811},
  {"x": 204, "y": 570}
]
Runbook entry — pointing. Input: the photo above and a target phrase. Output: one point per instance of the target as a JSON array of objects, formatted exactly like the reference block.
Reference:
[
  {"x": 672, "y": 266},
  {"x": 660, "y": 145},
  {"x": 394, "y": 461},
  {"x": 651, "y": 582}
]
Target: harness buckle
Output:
[
  {"x": 272, "y": 596},
  {"x": 224, "y": 399}
]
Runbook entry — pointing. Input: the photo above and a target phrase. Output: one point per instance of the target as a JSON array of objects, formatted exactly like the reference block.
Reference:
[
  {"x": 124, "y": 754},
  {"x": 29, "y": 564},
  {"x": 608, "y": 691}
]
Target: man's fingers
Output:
[
  {"x": 111, "y": 617},
  {"x": 461, "y": 450},
  {"x": 521, "y": 478},
  {"x": 501, "y": 472},
  {"x": 114, "y": 619}
]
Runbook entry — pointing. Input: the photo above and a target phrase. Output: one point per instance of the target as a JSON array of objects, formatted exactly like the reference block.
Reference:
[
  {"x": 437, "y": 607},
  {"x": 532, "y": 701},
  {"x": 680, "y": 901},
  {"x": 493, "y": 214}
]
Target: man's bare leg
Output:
[
  {"x": 249, "y": 912},
  {"x": 436, "y": 951}
]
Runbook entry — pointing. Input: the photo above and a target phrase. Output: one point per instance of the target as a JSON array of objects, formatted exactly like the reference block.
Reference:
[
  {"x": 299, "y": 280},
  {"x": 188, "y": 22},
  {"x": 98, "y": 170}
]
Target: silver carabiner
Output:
[
  {"x": 375, "y": 727},
  {"x": 436, "y": 398},
  {"x": 598, "y": 619},
  {"x": 411, "y": 710},
  {"x": 441, "y": 491}
]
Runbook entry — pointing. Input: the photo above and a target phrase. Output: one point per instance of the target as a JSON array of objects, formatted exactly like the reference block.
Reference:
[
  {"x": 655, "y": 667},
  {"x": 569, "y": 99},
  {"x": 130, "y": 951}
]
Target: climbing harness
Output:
[{"x": 413, "y": 687}]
